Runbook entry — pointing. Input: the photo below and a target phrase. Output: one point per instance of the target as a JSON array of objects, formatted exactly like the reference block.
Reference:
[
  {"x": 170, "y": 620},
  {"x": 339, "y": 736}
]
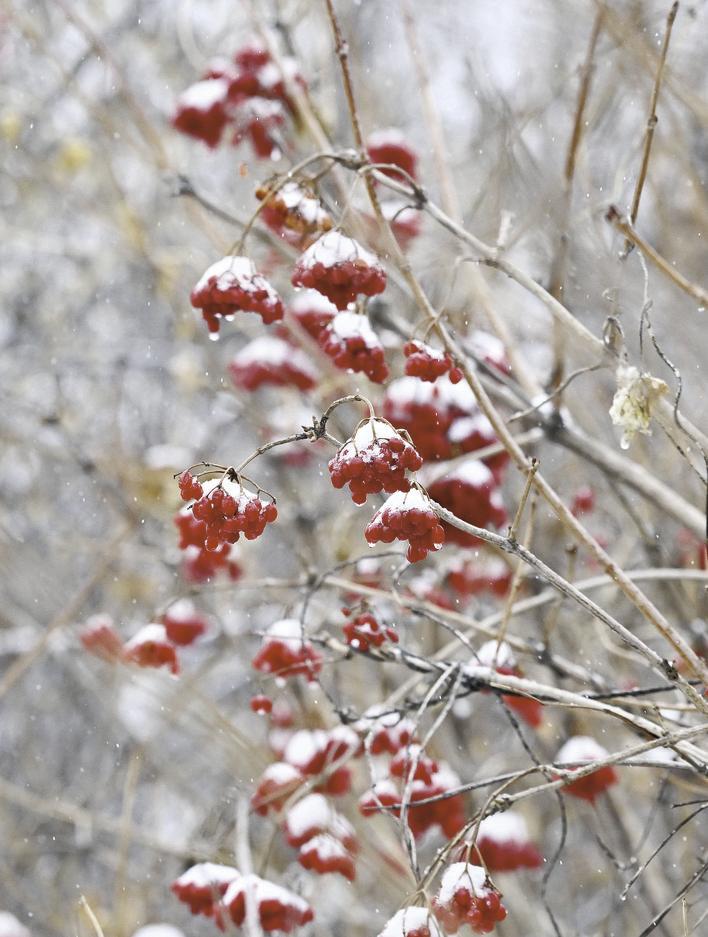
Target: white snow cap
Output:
[
  {"x": 504, "y": 828},
  {"x": 202, "y": 95},
  {"x": 273, "y": 351},
  {"x": 313, "y": 811},
  {"x": 303, "y": 746},
  {"x": 182, "y": 610},
  {"x": 281, "y": 773},
  {"x": 236, "y": 271},
  {"x": 208, "y": 875},
  {"x": 335, "y": 248},
  {"x": 311, "y": 301},
  {"x": 287, "y": 631},
  {"x": 325, "y": 846},
  {"x": 11, "y": 927},
  {"x": 495, "y": 654},
  {"x": 158, "y": 930},
  {"x": 462, "y": 875},
  {"x": 411, "y": 919},
  {"x": 262, "y": 890},
  {"x": 581, "y": 749},
  {"x": 304, "y": 203},
  {"x": 153, "y": 632},
  {"x": 351, "y": 325},
  {"x": 474, "y": 473},
  {"x": 405, "y": 501},
  {"x": 465, "y": 426},
  {"x": 387, "y": 136}
]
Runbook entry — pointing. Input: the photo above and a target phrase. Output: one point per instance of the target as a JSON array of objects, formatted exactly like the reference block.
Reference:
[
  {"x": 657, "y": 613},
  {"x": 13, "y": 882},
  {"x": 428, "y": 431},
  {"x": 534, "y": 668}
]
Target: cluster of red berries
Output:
[
  {"x": 293, "y": 211},
  {"x": 190, "y": 489},
  {"x": 100, "y": 638},
  {"x": 411, "y": 922},
  {"x": 363, "y": 631},
  {"x": 285, "y": 652},
  {"x": 150, "y": 647},
  {"x": 278, "y": 909},
  {"x": 389, "y": 146},
  {"x": 233, "y": 285},
  {"x": 225, "y": 510},
  {"x": 313, "y": 311},
  {"x": 466, "y": 896},
  {"x": 471, "y": 492},
  {"x": 442, "y": 418},
  {"x": 202, "y": 886},
  {"x": 200, "y": 564},
  {"x": 375, "y": 459},
  {"x": 504, "y": 845},
  {"x": 184, "y": 623},
  {"x": 582, "y": 750},
  {"x": 340, "y": 268},
  {"x": 249, "y": 94},
  {"x": 500, "y": 657},
  {"x": 353, "y": 345},
  {"x": 154, "y": 645},
  {"x": 483, "y": 574},
  {"x": 313, "y": 815},
  {"x": 583, "y": 501},
  {"x": 429, "y": 364},
  {"x": 271, "y": 361},
  {"x": 407, "y": 516},
  {"x": 325, "y": 854}
]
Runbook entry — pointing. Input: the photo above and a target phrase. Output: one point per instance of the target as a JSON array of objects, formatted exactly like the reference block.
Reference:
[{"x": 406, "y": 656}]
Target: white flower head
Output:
[{"x": 634, "y": 401}]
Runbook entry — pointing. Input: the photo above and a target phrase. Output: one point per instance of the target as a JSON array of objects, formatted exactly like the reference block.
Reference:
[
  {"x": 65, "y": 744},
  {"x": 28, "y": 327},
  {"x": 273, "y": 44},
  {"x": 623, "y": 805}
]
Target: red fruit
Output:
[
  {"x": 277, "y": 908},
  {"x": 428, "y": 363},
  {"x": 470, "y": 492},
  {"x": 269, "y": 361},
  {"x": 312, "y": 310},
  {"x": 407, "y": 516},
  {"x": 293, "y": 208},
  {"x": 315, "y": 751},
  {"x": 483, "y": 574},
  {"x": 383, "y": 794},
  {"x": 313, "y": 816},
  {"x": 183, "y": 623},
  {"x": 285, "y": 652},
  {"x": 202, "y": 110},
  {"x": 259, "y": 120},
  {"x": 390, "y": 147},
  {"x": 262, "y": 705},
  {"x": 582, "y": 750},
  {"x": 412, "y": 922},
  {"x": 324, "y": 854},
  {"x": 339, "y": 268},
  {"x": 363, "y": 632},
  {"x": 150, "y": 647},
  {"x": 504, "y": 844},
  {"x": 500, "y": 656},
  {"x": 375, "y": 459},
  {"x": 583, "y": 501},
  {"x": 466, "y": 896},
  {"x": 224, "y": 512},
  {"x": 232, "y": 285},
  {"x": 353, "y": 345},
  {"x": 189, "y": 487},
  {"x": 101, "y": 639},
  {"x": 277, "y": 783},
  {"x": 202, "y": 886},
  {"x": 392, "y": 734},
  {"x": 404, "y": 220}
]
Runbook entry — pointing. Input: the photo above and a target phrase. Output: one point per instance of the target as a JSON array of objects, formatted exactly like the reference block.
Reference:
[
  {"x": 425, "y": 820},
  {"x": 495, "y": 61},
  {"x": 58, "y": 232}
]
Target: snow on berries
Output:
[
  {"x": 285, "y": 652},
  {"x": 100, "y": 638},
  {"x": 313, "y": 816},
  {"x": 262, "y": 705},
  {"x": 484, "y": 573},
  {"x": 407, "y": 516},
  {"x": 582, "y": 750},
  {"x": 504, "y": 843},
  {"x": 500, "y": 657},
  {"x": 316, "y": 752},
  {"x": 293, "y": 208},
  {"x": 375, "y": 459},
  {"x": 271, "y": 361},
  {"x": 466, "y": 896},
  {"x": 340, "y": 268},
  {"x": 325, "y": 854},
  {"x": 225, "y": 511},
  {"x": 150, "y": 647},
  {"x": 412, "y": 922},
  {"x": 275, "y": 786},
  {"x": 277, "y": 908},
  {"x": 389, "y": 146},
  {"x": 202, "y": 110},
  {"x": 202, "y": 886},
  {"x": 200, "y": 564},
  {"x": 363, "y": 631},
  {"x": 233, "y": 285},
  {"x": 353, "y": 345},
  {"x": 183, "y": 623},
  {"x": 428, "y": 363},
  {"x": 312, "y": 310},
  {"x": 471, "y": 493}
]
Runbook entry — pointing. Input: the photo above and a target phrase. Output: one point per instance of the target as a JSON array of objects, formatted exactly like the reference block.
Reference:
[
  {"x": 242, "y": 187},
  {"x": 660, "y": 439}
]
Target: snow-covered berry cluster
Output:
[
  {"x": 504, "y": 843},
  {"x": 412, "y": 922},
  {"x": 475, "y": 576},
  {"x": 353, "y": 345},
  {"x": 466, "y": 896},
  {"x": 375, "y": 459},
  {"x": 340, "y": 268},
  {"x": 233, "y": 285},
  {"x": 407, "y": 516},
  {"x": 200, "y": 564},
  {"x": 312, "y": 310},
  {"x": 151, "y": 647},
  {"x": 429, "y": 363},
  {"x": 471, "y": 492},
  {"x": 363, "y": 631},
  {"x": 285, "y": 652},
  {"x": 247, "y": 94},
  {"x": 325, "y": 838},
  {"x": 202, "y": 886},
  {"x": 184, "y": 623},
  {"x": 499, "y": 656},
  {"x": 389, "y": 146},
  {"x": 100, "y": 638},
  {"x": 271, "y": 361},
  {"x": 293, "y": 209},
  {"x": 583, "y": 750},
  {"x": 277, "y": 908}
]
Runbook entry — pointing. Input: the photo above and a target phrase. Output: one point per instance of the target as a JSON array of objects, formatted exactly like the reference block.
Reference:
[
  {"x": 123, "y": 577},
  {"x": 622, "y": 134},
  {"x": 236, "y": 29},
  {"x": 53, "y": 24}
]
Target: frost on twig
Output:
[{"x": 634, "y": 401}]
